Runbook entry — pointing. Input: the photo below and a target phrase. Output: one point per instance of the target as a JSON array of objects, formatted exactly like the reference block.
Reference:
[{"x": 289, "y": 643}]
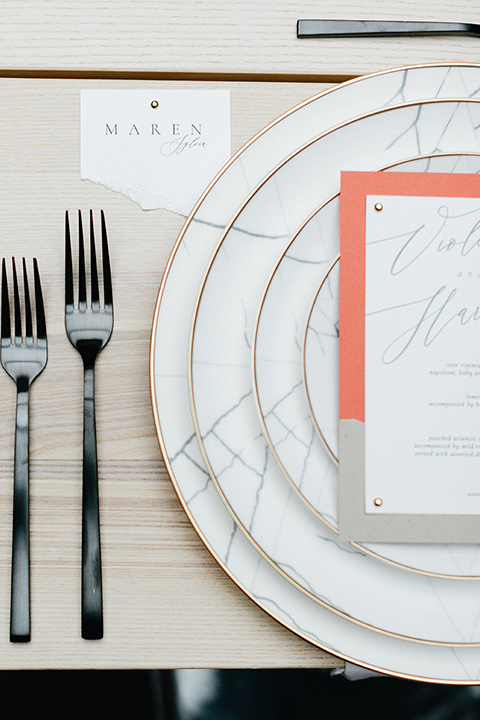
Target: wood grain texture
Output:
[
  {"x": 167, "y": 602},
  {"x": 210, "y": 36}
]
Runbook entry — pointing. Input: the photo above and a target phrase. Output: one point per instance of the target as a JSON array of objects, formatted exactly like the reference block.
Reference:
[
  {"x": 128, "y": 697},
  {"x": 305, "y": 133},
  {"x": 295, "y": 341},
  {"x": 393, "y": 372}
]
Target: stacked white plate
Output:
[{"x": 244, "y": 377}]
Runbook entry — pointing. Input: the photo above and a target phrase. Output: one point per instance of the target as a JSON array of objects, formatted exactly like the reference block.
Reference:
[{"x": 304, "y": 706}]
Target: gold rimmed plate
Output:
[
  {"x": 305, "y": 551},
  {"x": 168, "y": 369},
  {"x": 287, "y": 385}
]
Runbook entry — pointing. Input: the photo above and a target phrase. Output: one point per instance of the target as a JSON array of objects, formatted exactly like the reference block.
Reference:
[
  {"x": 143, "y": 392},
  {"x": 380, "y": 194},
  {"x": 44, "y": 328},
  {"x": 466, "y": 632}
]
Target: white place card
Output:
[
  {"x": 410, "y": 358},
  {"x": 160, "y": 148}
]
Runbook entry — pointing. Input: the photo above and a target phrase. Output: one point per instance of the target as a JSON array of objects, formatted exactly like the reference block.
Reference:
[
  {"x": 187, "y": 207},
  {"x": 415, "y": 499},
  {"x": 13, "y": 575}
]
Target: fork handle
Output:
[
  {"x": 92, "y": 608},
  {"x": 20, "y": 588}
]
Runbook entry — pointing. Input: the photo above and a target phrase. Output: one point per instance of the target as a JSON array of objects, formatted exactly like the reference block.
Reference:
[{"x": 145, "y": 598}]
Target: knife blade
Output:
[{"x": 381, "y": 28}]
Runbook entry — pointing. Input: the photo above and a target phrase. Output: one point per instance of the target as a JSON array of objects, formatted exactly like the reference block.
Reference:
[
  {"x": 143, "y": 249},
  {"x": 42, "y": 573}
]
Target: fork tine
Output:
[
  {"x": 68, "y": 264},
  {"x": 107, "y": 276},
  {"x": 28, "y": 307},
  {"x": 6, "y": 330},
  {"x": 40, "y": 310},
  {"x": 16, "y": 303},
  {"x": 82, "y": 285},
  {"x": 93, "y": 263}
]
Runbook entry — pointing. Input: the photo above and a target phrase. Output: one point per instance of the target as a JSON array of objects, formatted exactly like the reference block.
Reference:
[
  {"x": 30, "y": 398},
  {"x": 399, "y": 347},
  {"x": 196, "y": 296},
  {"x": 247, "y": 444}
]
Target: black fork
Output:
[
  {"x": 89, "y": 327},
  {"x": 23, "y": 357}
]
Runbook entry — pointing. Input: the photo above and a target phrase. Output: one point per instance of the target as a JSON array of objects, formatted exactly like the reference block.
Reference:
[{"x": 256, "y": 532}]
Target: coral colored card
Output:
[{"x": 409, "y": 433}]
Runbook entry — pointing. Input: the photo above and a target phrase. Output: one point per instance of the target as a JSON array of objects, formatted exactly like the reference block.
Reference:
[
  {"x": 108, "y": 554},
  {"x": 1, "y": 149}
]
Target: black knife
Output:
[{"x": 380, "y": 28}]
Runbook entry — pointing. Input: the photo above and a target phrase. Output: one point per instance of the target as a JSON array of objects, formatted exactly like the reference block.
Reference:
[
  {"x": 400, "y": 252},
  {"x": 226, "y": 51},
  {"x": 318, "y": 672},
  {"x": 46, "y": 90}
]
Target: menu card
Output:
[{"x": 409, "y": 433}]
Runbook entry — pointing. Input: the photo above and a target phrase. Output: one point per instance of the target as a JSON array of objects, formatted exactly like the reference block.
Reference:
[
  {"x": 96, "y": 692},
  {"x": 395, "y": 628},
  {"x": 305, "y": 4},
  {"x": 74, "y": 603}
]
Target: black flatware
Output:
[
  {"x": 381, "y": 28},
  {"x": 89, "y": 326},
  {"x": 24, "y": 356}
]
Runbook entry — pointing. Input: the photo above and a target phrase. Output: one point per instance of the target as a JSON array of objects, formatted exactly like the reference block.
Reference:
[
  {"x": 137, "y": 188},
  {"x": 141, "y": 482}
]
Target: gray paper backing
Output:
[{"x": 357, "y": 525}]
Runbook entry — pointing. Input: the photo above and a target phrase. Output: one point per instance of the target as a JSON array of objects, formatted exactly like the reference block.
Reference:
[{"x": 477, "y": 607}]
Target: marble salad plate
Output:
[
  {"x": 297, "y": 392},
  {"x": 204, "y": 505}
]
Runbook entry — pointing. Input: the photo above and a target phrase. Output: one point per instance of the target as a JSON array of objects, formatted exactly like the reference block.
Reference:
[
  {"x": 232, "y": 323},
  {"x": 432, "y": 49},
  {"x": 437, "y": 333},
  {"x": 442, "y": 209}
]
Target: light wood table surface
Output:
[{"x": 167, "y": 603}]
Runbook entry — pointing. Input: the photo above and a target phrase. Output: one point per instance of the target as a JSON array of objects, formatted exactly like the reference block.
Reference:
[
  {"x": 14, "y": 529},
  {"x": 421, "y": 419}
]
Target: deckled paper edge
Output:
[{"x": 146, "y": 199}]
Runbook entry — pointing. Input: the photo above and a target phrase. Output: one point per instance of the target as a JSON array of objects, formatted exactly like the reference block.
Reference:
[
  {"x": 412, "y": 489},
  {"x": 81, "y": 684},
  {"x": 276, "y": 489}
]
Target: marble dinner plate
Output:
[
  {"x": 248, "y": 568},
  {"x": 306, "y": 551},
  {"x": 297, "y": 392}
]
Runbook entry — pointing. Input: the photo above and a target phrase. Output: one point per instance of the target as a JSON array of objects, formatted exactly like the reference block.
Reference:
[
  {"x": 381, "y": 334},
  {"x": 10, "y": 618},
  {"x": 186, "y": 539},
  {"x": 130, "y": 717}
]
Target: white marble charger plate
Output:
[
  {"x": 168, "y": 373},
  {"x": 296, "y": 374}
]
